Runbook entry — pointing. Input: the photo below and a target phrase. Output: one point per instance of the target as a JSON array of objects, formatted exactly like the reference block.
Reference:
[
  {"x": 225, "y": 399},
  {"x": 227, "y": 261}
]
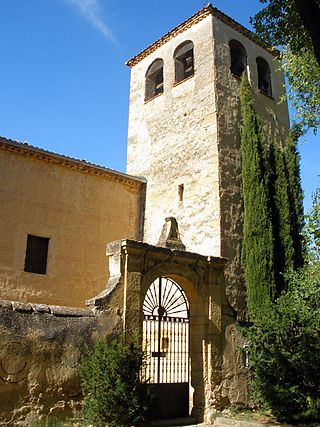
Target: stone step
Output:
[
  {"x": 219, "y": 422},
  {"x": 228, "y": 422},
  {"x": 172, "y": 422}
]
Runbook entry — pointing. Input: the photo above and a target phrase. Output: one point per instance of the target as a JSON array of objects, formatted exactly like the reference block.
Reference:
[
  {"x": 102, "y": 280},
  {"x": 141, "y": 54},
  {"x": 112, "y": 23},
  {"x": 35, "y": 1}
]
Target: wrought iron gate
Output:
[{"x": 166, "y": 344}]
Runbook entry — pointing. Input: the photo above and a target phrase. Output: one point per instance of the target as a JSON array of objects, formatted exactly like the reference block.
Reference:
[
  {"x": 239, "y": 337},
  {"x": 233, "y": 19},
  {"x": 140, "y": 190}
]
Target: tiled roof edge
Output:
[
  {"x": 59, "y": 159},
  {"x": 194, "y": 19}
]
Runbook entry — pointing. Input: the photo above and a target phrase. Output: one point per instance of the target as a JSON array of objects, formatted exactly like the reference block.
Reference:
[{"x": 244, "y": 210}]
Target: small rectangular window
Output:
[
  {"x": 36, "y": 254},
  {"x": 180, "y": 192}
]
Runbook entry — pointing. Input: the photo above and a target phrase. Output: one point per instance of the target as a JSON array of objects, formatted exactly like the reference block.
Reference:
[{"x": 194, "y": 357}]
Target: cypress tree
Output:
[
  {"x": 281, "y": 217},
  {"x": 292, "y": 160},
  {"x": 257, "y": 249}
]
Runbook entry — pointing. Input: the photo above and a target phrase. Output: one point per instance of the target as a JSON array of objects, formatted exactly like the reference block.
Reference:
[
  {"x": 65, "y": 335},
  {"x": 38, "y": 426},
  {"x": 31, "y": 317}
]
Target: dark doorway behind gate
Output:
[{"x": 166, "y": 344}]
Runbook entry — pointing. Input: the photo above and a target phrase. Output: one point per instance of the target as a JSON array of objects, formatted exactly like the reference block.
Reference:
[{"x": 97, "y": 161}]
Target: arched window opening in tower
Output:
[
  {"x": 238, "y": 57},
  {"x": 154, "y": 79},
  {"x": 264, "y": 77},
  {"x": 184, "y": 61}
]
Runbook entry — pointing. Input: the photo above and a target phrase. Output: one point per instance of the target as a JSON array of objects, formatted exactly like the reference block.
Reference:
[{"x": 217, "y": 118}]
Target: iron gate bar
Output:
[{"x": 159, "y": 326}]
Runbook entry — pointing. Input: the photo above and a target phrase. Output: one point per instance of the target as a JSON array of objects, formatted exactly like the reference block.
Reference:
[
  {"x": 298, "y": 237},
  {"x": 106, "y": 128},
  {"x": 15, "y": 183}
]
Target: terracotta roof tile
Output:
[{"x": 59, "y": 159}]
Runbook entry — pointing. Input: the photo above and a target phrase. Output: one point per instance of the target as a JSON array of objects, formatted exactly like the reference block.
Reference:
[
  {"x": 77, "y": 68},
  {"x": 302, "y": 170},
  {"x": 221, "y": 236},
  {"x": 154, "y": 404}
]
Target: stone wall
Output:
[
  {"x": 41, "y": 347},
  {"x": 78, "y": 206},
  {"x": 172, "y": 141}
]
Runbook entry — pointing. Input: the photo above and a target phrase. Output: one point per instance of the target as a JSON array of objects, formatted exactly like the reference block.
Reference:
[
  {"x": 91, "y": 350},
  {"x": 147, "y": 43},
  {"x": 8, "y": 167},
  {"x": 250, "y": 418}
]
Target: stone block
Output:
[
  {"x": 22, "y": 307},
  {"x": 40, "y": 308},
  {"x": 58, "y": 310},
  {"x": 7, "y": 305}
]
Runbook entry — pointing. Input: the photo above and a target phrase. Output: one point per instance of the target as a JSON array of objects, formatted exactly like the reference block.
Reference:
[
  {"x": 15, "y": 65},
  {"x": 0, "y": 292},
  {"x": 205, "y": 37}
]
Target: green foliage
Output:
[
  {"x": 285, "y": 338},
  {"x": 112, "y": 391},
  {"x": 273, "y": 210},
  {"x": 280, "y": 24},
  {"x": 312, "y": 228},
  {"x": 281, "y": 218},
  {"x": 257, "y": 249},
  {"x": 303, "y": 75},
  {"x": 285, "y": 350},
  {"x": 292, "y": 161}
]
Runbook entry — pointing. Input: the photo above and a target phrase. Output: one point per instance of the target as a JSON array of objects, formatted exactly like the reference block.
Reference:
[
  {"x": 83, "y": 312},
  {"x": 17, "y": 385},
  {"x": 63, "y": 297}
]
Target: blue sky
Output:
[{"x": 64, "y": 86}]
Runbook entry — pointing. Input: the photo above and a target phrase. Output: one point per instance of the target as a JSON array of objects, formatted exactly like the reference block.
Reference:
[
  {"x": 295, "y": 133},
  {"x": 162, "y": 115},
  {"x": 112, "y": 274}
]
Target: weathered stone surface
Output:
[
  {"x": 70, "y": 312},
  {"x": 39, "y": 363},
  {"x": 170, "y": 236},
  {"x": 40, "y": 308},
  {"x": 172, "y": 142},
  {"x": 235, "y": 384},
  {"x": 103, "y": 298},
  {"x": 23, "y": 307},
  {"x": 6, "y": 305}
]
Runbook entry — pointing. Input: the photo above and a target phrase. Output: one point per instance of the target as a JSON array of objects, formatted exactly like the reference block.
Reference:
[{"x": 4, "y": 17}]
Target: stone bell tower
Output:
[{"x": 184, "y": 131}]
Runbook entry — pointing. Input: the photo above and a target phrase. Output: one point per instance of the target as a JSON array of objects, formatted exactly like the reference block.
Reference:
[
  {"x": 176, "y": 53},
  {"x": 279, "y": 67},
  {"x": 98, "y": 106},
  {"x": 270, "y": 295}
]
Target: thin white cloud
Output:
[{"x": 90, "y": 10}]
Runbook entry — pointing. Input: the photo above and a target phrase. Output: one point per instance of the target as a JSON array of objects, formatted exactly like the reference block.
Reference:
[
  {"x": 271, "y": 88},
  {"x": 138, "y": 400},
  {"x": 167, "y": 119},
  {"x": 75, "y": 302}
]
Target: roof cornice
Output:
[
  {"x": 194, "y": 19},
  {"x": 69, "y": 162}
]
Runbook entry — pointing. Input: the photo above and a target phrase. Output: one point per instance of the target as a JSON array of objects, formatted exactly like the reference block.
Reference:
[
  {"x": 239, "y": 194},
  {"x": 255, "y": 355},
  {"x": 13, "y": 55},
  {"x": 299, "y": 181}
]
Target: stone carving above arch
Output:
[{"x": 170, "y": 236}]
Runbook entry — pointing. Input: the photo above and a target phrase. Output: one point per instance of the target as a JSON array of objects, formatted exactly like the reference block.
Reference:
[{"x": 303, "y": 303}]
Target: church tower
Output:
[{"x": 184, "y": 131}]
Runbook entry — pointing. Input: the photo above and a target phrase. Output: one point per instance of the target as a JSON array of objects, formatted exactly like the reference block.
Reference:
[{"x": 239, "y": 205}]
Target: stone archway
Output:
[{"x": 134, "y": 266}]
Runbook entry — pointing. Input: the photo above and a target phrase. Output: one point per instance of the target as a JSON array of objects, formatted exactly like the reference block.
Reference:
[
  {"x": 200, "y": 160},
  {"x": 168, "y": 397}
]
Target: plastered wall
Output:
[{"x": 79, "y": 212}]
